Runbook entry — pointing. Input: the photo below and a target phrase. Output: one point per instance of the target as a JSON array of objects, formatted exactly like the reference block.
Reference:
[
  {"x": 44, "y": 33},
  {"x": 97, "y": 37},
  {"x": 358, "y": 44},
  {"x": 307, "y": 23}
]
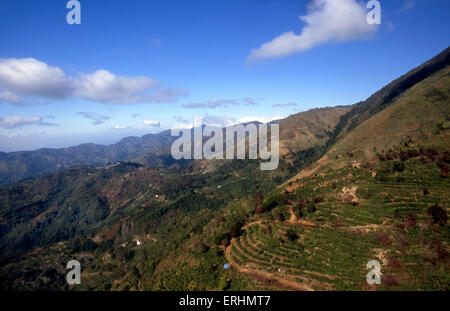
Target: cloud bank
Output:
[
  {"x": 212, "y": 104},
  {"x": 222, "y": 121},
  {"x": 12, "y": 122},
  {"x": 23, "y": 78},
  {"x": 215, "y": 103},
  {"x": 327, "y": 20},
  {"x": 152, "y": 123}
]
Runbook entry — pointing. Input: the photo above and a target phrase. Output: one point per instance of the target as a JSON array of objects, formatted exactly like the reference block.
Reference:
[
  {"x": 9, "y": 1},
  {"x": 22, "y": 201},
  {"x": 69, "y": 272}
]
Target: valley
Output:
[{"x": 369, "y": 181}]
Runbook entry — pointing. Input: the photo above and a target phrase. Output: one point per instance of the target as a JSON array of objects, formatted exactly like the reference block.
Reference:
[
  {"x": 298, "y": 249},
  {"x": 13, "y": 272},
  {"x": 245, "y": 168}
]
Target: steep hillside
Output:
[
  {"x": 421, "y": 114},
  {"x": 322, "y": 233},
  {"x": 381, "y": 192},
  {"x": 309, "y": 129},
  {"x": 385, "y": 97}
]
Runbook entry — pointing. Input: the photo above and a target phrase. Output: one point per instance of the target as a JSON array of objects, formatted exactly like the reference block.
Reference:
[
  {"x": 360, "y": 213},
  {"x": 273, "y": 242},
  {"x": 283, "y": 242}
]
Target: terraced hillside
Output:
[
  {"x": 381, "y": 192},
  {"x": 322, "y": 235}
]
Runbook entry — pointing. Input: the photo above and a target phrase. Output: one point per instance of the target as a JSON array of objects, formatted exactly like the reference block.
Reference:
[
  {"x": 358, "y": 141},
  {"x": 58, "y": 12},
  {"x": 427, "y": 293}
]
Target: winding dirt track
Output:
[{"x": 295, "y": 220}]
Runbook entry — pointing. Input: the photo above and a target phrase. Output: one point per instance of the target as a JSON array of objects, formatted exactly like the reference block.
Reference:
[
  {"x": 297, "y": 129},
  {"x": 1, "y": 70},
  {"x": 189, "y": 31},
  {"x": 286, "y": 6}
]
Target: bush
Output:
[
  {"x": 88, "y": 245},
  {"x": 311, "y": 208},
  {"x": 291, "y": 234},
  {"x": 201, "y": 248},
  {"x": 438, "y": 214},
  {"x": 318, "y": 199},
  {"x": 399, "y": 166},
  {"x": 271, "y": 202},
  {"x": 382, "y": 176}
]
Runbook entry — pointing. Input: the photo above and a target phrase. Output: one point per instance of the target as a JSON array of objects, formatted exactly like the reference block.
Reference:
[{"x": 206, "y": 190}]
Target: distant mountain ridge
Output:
[
  {"x": 21, "y": 165},
  {"x": 297, "y": 132}
]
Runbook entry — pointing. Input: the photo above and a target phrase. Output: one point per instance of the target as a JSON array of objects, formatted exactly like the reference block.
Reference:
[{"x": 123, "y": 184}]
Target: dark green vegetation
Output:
[{"x": 358, "y": 183}]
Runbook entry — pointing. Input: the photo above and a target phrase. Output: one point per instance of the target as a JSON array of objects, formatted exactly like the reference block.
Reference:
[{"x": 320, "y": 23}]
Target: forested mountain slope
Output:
[{"x": 380, "y": 191}]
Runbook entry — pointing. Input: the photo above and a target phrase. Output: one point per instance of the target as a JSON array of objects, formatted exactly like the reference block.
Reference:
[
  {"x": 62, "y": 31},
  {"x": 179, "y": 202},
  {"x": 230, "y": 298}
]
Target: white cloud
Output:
[
  {"x": 152, "y": 123},
  {"x": 217, "y": 121},
  {"x": 212, "y": 104},
  {"x": 9, "y": 97},
  {"x": 215, "y": 103},
  {"x": 292, "y": 104},
  {"x": 11, "y": 122},
  {"x": 95, "y": 117},
  {"x": 29, "y": 77},
  {"x": 222, "y": 121},
  {"x": 120, "y": 127},
  {"x": 327, "y": 20},
  {"x": 251, "y": 101},
  {"x": 105, "y": 87},
  {"x": 262, "y": 119},
  {"x": 165, "y": 96},
  {"x": 183, "y": 123}
]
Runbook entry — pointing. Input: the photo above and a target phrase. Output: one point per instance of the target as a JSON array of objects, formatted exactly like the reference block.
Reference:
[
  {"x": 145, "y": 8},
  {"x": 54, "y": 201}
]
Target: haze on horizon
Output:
[{"x": 141, "y": 67}]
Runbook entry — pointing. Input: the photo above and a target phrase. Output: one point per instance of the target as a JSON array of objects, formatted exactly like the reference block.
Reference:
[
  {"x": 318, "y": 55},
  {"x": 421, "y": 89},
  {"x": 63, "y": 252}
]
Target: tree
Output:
[
  {"x": 438, "y": 214},
  {"x": 291, "y": 234},
  {"x": 399, "y": 166}
]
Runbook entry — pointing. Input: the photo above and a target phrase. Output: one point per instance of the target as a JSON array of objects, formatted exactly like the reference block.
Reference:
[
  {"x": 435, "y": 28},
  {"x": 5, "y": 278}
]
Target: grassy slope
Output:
[
  {"x": 308, "y": 129},
  {"x": 419, "y": 113}
]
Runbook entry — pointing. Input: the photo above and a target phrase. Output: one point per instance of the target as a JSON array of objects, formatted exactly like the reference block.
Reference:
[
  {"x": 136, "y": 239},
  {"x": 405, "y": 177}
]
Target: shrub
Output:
[
  {"x": 271, "y": 202},
  {"x": 201, "y": 248},
  {"x": 399, "y": 166},
  {"x": 438, "y": 214},
  {"x": 88, "y": 245},
  {"x": 318, "y": 199},
  {"x": 382, "y": 176},
  {"x": 446, "y": 157},
  {"x": 291, "y": 234},
  {"x": 311, "y": 208}
]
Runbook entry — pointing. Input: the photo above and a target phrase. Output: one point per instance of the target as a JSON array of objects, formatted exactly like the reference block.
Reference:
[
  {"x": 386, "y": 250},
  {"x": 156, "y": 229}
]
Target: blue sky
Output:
[{"x": 138, "y": 67}]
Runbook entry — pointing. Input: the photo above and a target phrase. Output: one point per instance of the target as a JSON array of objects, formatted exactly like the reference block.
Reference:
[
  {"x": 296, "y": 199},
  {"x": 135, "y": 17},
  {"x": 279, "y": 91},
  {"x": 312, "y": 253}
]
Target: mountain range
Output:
[{"x": 357, "y": 183}]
